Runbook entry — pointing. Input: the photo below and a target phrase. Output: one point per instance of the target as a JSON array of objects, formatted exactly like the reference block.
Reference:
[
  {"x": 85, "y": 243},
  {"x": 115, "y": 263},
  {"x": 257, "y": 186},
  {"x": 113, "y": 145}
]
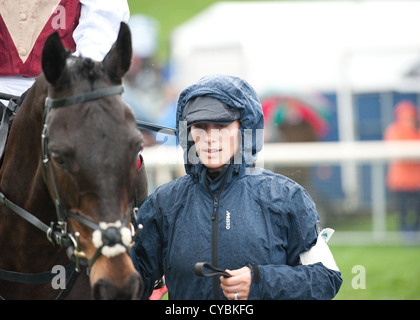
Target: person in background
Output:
[
  {"x": 86, "y": 27},
  {"x": 403, "y": 177},
  {"x": 260, "y": 227},
  {"x": 142, "y": 82}
]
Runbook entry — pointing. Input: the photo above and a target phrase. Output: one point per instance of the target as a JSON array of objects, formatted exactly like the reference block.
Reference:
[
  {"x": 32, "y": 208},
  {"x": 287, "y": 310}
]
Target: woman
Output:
[{"x": 249, "y": 221}]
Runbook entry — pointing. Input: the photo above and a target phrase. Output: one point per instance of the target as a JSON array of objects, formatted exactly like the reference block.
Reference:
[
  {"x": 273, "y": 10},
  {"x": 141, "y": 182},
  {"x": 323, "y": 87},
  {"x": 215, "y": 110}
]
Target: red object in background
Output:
[
  {"x": 139, "y": 162},
  {"x": 289, "y": 108}
]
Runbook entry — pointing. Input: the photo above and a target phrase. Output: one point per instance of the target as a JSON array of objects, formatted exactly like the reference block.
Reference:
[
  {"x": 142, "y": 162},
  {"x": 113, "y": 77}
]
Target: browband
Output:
[{"x": 83, "y": 97}]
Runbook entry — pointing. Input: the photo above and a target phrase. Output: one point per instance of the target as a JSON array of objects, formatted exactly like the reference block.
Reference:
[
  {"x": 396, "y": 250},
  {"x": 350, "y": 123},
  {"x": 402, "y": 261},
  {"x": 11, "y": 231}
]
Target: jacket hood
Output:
[{"x": 236, "y": 93}]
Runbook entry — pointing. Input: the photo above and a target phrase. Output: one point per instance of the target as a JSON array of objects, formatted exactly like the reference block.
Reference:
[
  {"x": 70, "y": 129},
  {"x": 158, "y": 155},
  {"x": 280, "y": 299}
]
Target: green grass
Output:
[{"x": 392, "y": 273}]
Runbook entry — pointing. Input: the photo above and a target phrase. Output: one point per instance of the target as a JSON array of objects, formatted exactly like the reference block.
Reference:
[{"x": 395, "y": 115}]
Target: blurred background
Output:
[{"x": 339, "y": 82}]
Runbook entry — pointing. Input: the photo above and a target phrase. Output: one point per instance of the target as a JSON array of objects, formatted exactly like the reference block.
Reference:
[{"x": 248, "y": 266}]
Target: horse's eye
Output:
[{"x": 58, "y": 159}]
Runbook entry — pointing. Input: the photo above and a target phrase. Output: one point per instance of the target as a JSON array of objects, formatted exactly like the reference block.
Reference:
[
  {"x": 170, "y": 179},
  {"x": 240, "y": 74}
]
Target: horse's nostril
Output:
[{"x": 104, "y": 289}]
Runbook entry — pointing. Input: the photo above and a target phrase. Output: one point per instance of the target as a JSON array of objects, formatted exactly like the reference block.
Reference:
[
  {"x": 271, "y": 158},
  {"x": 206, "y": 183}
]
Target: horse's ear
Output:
[
  {"x": 117, "y": 61},
  {"x": 53, "y": 58}
]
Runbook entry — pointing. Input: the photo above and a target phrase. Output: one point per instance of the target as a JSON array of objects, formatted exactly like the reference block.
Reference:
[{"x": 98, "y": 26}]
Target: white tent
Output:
[{"x": 367, "y": 46}]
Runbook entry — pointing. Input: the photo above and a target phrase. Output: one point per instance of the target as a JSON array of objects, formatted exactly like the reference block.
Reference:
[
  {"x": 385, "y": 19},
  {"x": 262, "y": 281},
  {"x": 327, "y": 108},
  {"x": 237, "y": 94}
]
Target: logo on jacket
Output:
[{"x": 227, "y": 220}]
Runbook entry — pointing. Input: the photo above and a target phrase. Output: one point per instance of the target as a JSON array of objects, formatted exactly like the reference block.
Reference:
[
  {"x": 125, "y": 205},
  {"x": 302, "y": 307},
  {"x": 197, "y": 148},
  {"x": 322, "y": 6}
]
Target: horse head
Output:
[{"x": 90, "y": 151}]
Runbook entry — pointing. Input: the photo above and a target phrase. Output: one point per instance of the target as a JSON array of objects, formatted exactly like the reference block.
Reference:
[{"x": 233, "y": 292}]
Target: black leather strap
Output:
[
  {"x": 198, "y": 269},
  {"x": 83, "y": 97},
  {"x": 33, "y": 278},
  {"x": 7, "y": 114},
  {"x": 156, "y": 127},
  {"x": 23, "y": 213},
  {"x": 6, "y": 96}
]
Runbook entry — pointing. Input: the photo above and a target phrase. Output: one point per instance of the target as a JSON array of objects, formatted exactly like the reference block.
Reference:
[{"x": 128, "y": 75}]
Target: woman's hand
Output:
[{"x": 239, "y": 284}]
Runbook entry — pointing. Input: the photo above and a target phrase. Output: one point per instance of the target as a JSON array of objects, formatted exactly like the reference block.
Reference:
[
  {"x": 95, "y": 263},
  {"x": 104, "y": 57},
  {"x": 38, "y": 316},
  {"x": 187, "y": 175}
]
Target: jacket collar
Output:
[{"x": 199, "y": 174}]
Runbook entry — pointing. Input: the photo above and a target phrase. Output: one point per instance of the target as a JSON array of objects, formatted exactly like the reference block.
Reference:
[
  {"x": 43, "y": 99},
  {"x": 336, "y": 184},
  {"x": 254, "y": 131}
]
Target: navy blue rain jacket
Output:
[{"x": 261, "y": 219}]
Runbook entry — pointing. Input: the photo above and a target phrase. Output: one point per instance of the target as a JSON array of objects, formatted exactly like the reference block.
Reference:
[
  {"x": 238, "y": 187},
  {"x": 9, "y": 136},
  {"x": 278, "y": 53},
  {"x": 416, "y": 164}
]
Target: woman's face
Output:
[{"x": 215, "y": 143}]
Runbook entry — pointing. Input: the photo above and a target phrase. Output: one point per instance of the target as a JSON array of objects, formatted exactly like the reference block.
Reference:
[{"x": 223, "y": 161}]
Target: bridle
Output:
[{"x": 110, "y": 239}]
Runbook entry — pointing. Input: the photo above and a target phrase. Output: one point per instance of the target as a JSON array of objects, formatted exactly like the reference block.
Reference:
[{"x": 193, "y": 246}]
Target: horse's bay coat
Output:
[{"x": 264, "y": 219}]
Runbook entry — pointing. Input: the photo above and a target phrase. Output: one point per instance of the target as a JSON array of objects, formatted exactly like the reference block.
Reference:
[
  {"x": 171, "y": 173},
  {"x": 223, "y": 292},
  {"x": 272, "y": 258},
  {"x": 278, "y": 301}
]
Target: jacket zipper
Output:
[{"x": 214, "y": 229}]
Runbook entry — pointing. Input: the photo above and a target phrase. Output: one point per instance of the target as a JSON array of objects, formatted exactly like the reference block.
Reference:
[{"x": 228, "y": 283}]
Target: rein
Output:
[
  {"x": 110, "y": 239},
  {"x": 101, "y": 93}
]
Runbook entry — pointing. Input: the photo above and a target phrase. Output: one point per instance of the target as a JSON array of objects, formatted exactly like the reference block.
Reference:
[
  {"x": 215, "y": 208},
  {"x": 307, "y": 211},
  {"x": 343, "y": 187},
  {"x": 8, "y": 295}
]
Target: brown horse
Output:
[{"x": 71, "y": 159}]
